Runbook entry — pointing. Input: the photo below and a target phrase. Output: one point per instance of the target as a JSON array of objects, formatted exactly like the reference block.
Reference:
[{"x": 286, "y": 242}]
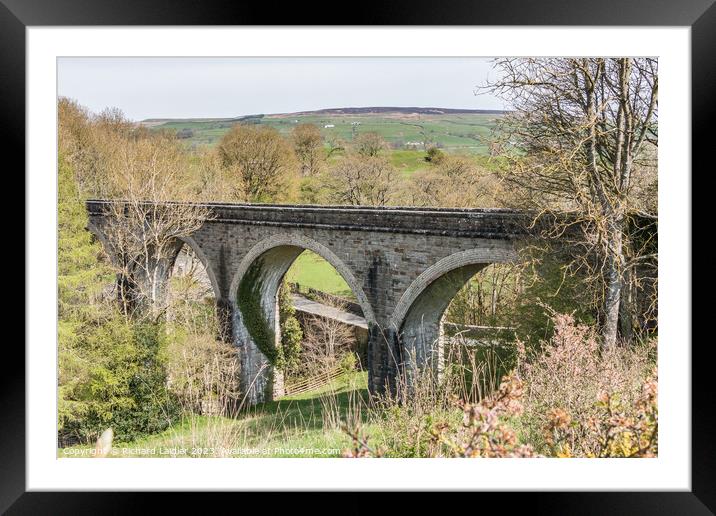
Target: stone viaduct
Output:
[{"x": 404, "y": 266}]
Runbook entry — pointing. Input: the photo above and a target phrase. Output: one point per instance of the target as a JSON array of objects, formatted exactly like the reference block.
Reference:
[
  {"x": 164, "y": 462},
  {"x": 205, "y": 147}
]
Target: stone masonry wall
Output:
[{"x": 388, "y": 256}]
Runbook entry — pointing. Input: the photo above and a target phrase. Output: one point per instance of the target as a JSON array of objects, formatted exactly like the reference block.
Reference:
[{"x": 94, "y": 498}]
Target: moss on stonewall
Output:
[{"x": 249, "y": 302}]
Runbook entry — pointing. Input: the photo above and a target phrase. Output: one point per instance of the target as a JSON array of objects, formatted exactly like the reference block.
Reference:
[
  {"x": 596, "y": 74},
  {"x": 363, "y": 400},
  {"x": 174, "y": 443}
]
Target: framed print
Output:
[{"x": 259, "y": 248}]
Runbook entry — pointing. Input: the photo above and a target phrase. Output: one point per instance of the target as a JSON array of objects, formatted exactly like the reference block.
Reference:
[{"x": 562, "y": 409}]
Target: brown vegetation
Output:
[
  {"x": 259, "y": 161},
  {"x": 308, "y": 146},
  {"x": 358, "y": 180}
]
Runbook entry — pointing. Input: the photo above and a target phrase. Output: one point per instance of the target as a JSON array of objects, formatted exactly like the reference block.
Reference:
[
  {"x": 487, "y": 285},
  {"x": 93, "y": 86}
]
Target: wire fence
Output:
[{"x": 311, "y": 383}]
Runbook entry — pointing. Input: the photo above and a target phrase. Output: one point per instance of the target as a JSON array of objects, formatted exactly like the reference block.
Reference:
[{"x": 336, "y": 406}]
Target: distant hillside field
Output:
[{"x": 454, "y": 130}]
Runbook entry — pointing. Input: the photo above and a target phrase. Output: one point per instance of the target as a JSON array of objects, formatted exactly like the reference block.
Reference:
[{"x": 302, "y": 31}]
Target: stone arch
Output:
[
  {"x": 304, "y": 243},
  {"x": 102, "y": 238},
  {"x": 255, "y": 318},
  {"x": 417, "y": 318},
  {"x": 194, "y": 246}
]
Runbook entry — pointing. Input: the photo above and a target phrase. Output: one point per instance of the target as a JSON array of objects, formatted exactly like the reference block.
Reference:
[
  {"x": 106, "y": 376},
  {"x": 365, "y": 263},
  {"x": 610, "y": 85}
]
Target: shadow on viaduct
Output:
[{"x": 404, "y": 266}]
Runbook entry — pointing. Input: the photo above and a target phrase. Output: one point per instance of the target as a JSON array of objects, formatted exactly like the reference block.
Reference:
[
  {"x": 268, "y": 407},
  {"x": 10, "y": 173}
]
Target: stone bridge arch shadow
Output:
[
  {"x": 253, "y": 294},
  {"x": 418, "y": 315},
  {"x": 205, "y": 261}
]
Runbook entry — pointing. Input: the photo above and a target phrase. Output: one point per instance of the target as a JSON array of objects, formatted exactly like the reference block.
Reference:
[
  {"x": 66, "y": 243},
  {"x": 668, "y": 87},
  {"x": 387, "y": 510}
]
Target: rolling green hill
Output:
[{"x": 454, "y": 130}]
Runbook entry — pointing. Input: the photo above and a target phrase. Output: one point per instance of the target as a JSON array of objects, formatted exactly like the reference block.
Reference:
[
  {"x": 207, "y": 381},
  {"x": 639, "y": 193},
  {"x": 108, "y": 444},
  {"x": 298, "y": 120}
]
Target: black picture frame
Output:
[{"x": 700, "y": 15}]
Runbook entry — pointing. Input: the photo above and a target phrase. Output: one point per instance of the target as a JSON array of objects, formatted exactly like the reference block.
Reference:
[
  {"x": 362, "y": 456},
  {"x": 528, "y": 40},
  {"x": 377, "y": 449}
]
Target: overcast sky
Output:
[{"x": 160, "y": 87}]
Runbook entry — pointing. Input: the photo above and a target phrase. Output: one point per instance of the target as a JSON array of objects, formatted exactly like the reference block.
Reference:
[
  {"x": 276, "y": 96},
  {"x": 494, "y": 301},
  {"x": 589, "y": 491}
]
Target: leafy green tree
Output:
[
  {"x": 80, "y": 273},
  {"x": 80, "y": 276}
]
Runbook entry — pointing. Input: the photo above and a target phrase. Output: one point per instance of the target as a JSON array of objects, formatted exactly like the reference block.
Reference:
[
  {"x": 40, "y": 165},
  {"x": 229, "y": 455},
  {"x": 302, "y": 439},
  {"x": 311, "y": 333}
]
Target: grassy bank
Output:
[{"x": 305, "y": 425}]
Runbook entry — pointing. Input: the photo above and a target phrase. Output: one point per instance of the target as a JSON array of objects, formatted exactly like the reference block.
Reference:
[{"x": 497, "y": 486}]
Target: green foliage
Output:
[
  {"x": 112, "y": 374},
  {"x": 291, "y": 337},
  {"x": 548, "y": 288},
  {"x": 348, "y": 363},
  {"x": 80, "y": 275},
  {"x": 111, "y": 370},
  {"x": 312, "y": 190},
  {"x": 291, "y": 332},
  {"x": 291, "y": 423},
  {"x": 434, "y": 155},
  {"x": 285, "y": 355},
  {"x": 122, "y": 383}
]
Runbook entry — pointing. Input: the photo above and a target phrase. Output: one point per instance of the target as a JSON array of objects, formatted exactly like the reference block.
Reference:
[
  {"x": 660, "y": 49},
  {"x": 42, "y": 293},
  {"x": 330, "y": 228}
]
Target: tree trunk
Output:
[
  {"x": 626, "y": 309},
  {"x": 614, "y": 286}
]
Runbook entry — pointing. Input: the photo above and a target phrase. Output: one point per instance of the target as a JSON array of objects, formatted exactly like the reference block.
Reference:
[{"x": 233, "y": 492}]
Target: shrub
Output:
[
  {"x": 312, "y": 190},
  {"x": 575, "y": 388},
  {"x": 291, "y": 336},
  {"x": 348, "y": 363},
  {"x": 203, "y": 373},
  {"x": 434, "y": 155},
  {"x": 485, "y": 430},
  {"x": 115, "y": 376},
  {"x": 568, "y": 399},
  {"x": 203, "y": 369},
  {"x": 616, "y": 430}
]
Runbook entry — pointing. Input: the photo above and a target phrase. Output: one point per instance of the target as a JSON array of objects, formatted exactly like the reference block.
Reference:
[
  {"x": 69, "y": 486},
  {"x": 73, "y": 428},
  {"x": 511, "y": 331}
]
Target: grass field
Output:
[
  {"x": 465, "y": 132},
  {"x": 310, "y": 270},
  {"x": 305, "y": 425},
  {"x": 408, "y": 161}
]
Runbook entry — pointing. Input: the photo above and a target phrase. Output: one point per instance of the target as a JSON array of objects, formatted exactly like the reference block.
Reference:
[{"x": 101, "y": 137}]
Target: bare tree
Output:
[
  {"x": 583, "y": 129},
  {"x": 326, "y": 340},
  {"x": 213, "y": 181},
  {"x": 361, "y": 180},
  {"x": 260, "y": 160},
  {"x": 369, "y": 144},
  {"x": 151, "y": 216},
  {"x": 145, "y": 172},
  {"x": 453, "y": 182},
  {"x": 308, "y": 146}
]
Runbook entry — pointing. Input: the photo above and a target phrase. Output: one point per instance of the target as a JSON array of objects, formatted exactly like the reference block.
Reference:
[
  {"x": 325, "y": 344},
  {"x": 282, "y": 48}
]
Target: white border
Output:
[{"x": 671, "y": 470}]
